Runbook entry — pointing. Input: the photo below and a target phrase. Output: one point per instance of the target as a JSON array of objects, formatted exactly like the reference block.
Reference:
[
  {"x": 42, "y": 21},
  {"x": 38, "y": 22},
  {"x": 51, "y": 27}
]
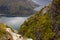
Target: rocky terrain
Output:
[{"x": 7, "y": 33}]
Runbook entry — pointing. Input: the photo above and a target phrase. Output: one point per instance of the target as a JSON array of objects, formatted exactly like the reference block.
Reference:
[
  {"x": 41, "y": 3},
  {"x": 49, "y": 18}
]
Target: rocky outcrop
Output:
[
  {"x": 3, "y": 34},
  {"x": 55, "y": 17},
  {"x": 15, "y": 36},
  {"x": 6, "y": 33}
]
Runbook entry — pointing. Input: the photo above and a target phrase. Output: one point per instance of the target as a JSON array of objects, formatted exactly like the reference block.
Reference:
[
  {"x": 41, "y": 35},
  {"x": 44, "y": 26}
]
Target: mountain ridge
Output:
[{"x": 17, "y": 7}]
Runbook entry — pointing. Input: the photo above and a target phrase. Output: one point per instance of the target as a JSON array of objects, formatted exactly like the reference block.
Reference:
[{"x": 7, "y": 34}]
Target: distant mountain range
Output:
[{"x": 17, "y": 7}]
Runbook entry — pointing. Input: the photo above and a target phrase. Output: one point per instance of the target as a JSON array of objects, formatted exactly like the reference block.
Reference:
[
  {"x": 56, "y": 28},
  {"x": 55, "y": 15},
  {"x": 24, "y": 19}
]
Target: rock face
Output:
[
  {"x": 43, "y": 25},
  {"x": 55, "y": 13},
  {"x": 55, "y": 16},
  {"x": 17, "y": 7},
  {"x": 6, "y": 33},
  {"x": 15, "y": 36}
]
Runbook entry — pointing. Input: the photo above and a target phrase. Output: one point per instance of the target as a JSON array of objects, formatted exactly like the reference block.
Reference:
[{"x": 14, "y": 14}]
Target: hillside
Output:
[
  {"x": 17, "y": 7},
  {"x": 7, "y": 33},
  {"x": 44, "y": 25},
  {"x": 4, "y": 35}
]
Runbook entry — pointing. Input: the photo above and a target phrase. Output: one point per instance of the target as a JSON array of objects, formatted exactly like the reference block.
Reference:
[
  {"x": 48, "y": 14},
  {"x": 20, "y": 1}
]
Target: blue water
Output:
[{"x": 13, "y": 22}]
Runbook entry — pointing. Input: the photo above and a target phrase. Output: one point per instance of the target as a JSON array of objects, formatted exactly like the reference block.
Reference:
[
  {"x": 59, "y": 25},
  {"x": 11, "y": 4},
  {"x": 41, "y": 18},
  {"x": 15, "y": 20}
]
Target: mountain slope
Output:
[
  {"x": 17, "y": 7},
  {"x": 3, "y": 34},
  {"x": 36, "y": 27},
  {"x": 44, "y": 25},
  {"x": 55, "y": 17}
]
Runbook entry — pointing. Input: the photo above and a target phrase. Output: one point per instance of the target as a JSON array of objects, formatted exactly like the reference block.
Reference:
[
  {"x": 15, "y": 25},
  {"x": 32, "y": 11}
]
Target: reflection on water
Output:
[{"x": 14, "y": 22}]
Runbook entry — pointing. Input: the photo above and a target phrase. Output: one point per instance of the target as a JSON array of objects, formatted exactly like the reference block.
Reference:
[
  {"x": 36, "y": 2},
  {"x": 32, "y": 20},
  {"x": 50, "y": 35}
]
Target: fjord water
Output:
[{"x": 13, "y": 22}]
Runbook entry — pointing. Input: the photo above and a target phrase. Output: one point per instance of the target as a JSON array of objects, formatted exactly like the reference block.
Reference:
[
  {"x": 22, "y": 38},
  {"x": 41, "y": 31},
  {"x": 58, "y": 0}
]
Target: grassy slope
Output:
[
  {"x": 40, "y": 26},
  {"x": 3, "y": 33}
]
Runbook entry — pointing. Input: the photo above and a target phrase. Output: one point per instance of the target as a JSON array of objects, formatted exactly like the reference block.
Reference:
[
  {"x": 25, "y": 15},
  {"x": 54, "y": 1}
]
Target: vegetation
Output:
[
  {"x": 37, "y": 27},
  {"x": 43, "y": 26},
  {"x": 3, "y": 34}
]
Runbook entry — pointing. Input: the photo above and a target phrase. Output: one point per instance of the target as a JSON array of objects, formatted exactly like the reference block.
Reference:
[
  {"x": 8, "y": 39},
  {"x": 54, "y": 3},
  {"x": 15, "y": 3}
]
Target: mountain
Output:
[
  {"x": 44, "y": 25},
  {"x": 17, "y": 7}
]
